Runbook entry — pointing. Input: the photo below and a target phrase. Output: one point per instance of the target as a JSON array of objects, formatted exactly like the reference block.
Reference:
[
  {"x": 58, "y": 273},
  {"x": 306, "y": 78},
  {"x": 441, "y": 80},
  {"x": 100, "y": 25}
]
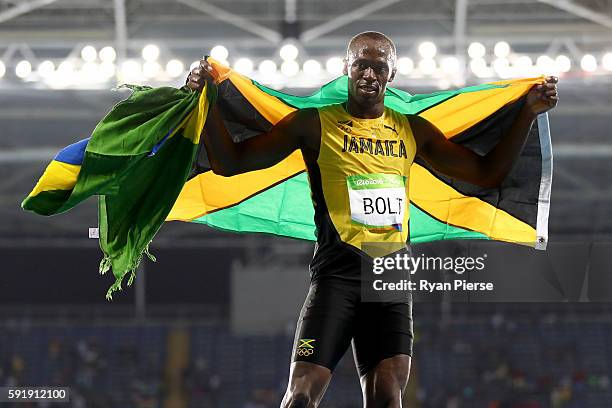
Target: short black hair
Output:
[{"x": 376, "y": 36}]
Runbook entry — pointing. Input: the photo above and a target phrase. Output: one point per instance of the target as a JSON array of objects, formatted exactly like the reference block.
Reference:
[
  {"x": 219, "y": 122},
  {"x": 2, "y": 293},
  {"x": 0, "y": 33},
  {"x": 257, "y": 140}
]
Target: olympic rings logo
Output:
[{"x": 304, "y": 352}]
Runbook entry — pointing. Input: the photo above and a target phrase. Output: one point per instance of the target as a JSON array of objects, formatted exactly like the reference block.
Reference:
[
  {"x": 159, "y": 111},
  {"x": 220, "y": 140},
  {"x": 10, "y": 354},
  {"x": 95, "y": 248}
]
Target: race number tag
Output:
[{"x": 377, "y": 201}]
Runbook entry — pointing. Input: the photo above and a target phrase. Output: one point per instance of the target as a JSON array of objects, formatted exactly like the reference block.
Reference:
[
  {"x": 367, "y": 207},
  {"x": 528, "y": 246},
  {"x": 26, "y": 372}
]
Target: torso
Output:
[{"x": 359, "y": 182}]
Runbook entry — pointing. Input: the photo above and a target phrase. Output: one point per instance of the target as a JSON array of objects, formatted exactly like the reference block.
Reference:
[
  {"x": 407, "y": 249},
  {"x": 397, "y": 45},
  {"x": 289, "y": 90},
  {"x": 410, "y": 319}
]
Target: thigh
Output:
[
  {"x": 383, "y": 330},
  {"x": 307, "y": 384},
  {"x": 326, "y": 323},
  {"x": 384, "y": 385}
]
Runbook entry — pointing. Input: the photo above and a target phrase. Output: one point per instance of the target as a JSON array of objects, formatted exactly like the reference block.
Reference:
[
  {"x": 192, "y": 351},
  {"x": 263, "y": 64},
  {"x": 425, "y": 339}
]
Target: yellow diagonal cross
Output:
[{"x": 306, "y": 343}]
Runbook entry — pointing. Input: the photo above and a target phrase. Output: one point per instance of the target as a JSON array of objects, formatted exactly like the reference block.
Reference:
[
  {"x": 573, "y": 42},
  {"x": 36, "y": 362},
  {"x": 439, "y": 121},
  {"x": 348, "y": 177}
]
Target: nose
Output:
[{"x": 369, "y": 74}]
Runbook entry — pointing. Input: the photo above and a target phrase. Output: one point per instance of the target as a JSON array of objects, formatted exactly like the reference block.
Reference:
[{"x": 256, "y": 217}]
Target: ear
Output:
[
  {"x": 392, "y": 76},
  {"x": 345, "y": 67}
]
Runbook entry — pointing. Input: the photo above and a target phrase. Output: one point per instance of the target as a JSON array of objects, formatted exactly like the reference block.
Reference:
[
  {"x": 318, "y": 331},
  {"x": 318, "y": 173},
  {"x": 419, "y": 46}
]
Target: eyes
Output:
[{"x": 378, "y": 68}]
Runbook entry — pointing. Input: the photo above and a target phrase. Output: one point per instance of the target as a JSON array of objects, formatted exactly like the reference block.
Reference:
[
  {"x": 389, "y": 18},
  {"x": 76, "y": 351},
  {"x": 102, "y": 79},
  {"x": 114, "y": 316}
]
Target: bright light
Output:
[
  {"x": 107, "y": 54},
  {"x": 428, "y": 66},
  {"x": 46, "y": 68},
  {"x": 405, "y": 65},
  {"x": 288, "y": 52},
  {"x": 131, "y": 70},
  {"x": 334, "y": 66},
  {"x": 290, "y": 68},
  {"x": 2, "y": 69},
  {"x": 244, "y": 66},
  {"x": 588, "y": 63},
  {"x": 476, "y": 50},
  {"x": 219, "y": 52},
  {"x": 107, "y": 69},
  {"x": 523, "y": 65},
  {"x": 151, "y": 69},
  {"x": 428, "y": 50},
  {"x": 23, "y": 69},
  {"x": 311, "y": 67},
  {"x": 606, "y": 61},
  {"x": 479, "y": 67},
  {"x": 450, "y": 65},
  {"x": 90, "y": 71},
  {"x": 89, "y": 53},
  {"x": 546, "y": 65},
  {"x": 150, "y": 52},
  {"x": 193, "y": 65},
  {"x": 501, "y": 49},
  {"x": 267, "y": 67},
  {"x": 502, "y": 67},
  {"x": 564, "y": 64},
  {"x": 174, "y": 68},
  {"x": 66, "y": 68}
]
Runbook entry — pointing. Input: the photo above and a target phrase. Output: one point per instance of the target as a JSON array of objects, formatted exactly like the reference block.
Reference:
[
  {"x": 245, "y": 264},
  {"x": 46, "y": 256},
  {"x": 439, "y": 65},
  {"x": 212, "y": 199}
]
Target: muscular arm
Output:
[
  {"x": 298, "y": 130},
  {"x": 459, "y": 162}
]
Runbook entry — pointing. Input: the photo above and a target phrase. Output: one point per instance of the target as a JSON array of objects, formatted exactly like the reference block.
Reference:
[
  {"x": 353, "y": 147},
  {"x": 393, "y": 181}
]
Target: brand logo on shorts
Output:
[{"x": 305, "y": 348}]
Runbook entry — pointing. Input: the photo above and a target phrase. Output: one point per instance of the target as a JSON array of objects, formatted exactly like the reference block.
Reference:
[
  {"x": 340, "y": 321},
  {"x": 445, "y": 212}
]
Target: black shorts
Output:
[{"x": 333, "y": 316}]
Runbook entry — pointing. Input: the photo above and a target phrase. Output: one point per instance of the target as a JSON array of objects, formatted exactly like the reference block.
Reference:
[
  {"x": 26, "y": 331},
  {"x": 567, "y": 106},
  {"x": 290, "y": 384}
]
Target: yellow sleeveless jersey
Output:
[{"x": 360, "y": 182}]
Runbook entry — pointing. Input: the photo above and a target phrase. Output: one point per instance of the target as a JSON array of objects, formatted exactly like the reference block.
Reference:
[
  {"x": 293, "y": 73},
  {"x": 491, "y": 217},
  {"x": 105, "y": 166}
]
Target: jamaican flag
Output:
[
  {"x": 136, "y": 160},
  {"x": 277, "y": 200}
]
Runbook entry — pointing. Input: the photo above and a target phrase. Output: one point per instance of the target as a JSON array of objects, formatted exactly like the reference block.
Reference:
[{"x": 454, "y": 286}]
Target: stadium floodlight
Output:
[
  {"x": 131, "y": 70},
  {"x": 89, "y": 53},
  {"x": 267, "y": 67},
  {"x": 405, "y": 65},
  {"x": 501, "y": 49},
  {"x": 288, "y": 52},
  {"x": 476, "y": 50},
  {"x": 546, "y": 65},
  {"x": 244, "y": 66},
  {"x": 2, "y": 69},
  {"x": 334, "y": 65},
  {"x": 588, "y": 63},
  {"x": 606, "y": 61},
  {"x": 479, "y": 67},
  {"x": 428, "y": 66},
  {"x": 290, "y": 68},
  {"x": 564, "y": 64},
  {"x": 23, "y": 69},
  {"x": 523, "y": 65},
  {"x": 150, "y": 52},
  {"x": 46, "y": 68},
  {"x": 450, "y": 65},
  {"x": 427, "y": 50},
  {"x": 219, "y": 52},
  {"x": 502, "y": 67},
  {"x": 311, "y": 67},
  {"x": 107, "y": 70},
  {"x": 107, "y": 54},
  {"x": 151, "y": 69},
  {"x": 66, "y": 67},
  {"x": 174, "y": 68}
]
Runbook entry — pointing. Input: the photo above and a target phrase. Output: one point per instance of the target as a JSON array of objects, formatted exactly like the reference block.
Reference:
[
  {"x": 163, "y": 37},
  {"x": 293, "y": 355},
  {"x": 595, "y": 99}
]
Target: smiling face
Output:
[{"x": 370, "y": 65}]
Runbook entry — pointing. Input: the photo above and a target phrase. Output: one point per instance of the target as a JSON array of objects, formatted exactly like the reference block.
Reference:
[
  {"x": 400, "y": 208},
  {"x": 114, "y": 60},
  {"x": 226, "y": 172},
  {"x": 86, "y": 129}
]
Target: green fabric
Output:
[{"x": 136, "y": 188}]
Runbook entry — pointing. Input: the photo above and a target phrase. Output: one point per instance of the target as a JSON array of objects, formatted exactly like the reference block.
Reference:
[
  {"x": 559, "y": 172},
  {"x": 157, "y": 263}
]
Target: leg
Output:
[
  {"x": 323, "y": 334},
  {"x": 383, "y": 386},
  {"x": 382, "y": 347},
  {"x": 307, "y": 384}
]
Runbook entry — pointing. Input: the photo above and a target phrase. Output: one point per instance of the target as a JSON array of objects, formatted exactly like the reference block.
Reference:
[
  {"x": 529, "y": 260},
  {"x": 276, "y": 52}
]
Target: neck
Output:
[{"x": 373, "y": 111}]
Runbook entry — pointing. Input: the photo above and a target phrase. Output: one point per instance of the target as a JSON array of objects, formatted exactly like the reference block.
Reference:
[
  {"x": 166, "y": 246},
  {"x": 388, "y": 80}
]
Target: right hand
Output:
[{"x": 198, "y": 76}]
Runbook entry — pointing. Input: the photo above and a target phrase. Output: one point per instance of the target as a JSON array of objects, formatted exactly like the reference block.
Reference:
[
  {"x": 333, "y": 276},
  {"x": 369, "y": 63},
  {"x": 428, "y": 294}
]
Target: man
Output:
[{"x": 380, "y": 150}]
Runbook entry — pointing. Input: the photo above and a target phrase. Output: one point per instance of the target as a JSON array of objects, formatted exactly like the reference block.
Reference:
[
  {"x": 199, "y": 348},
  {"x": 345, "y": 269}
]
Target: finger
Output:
[
  {"x": 551, "y": 93},
  {"x": 552, "y": 79}
]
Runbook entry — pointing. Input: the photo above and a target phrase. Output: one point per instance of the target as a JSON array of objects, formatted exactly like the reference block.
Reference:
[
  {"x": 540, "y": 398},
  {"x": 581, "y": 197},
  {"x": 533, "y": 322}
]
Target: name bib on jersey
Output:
[{"x": 377, "y": 201}]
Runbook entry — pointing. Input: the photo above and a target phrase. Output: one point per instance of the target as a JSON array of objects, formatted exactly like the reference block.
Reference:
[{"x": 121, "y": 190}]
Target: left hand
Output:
[{"x": 543, "y": 97}]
